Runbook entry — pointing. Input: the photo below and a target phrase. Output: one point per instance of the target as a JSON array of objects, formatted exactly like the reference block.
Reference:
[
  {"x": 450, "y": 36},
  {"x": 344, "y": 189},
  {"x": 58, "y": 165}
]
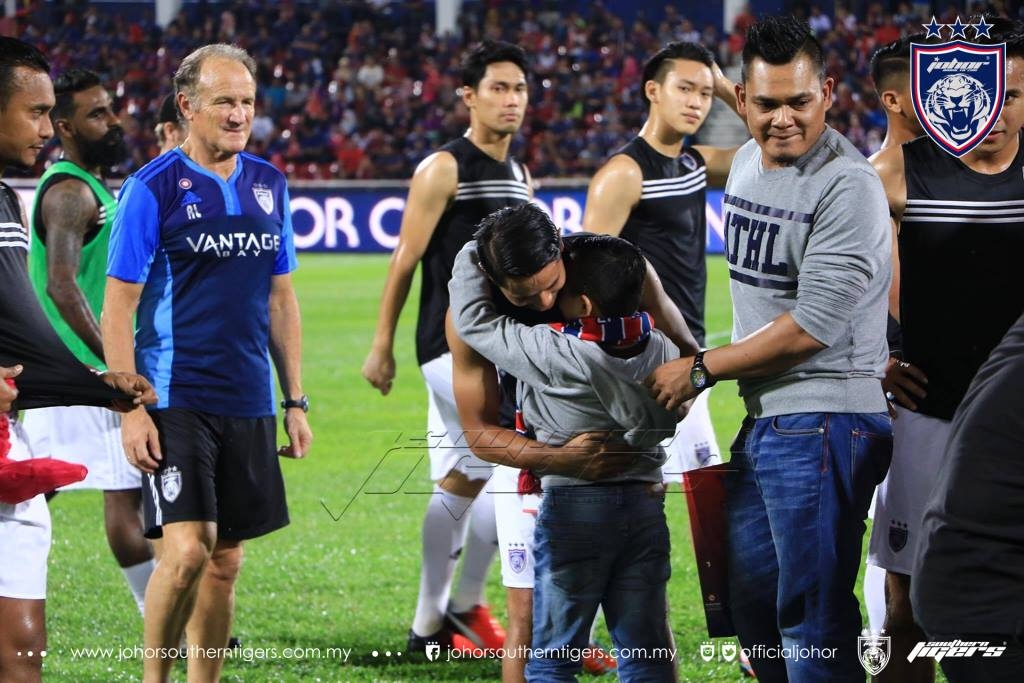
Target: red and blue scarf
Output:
[{"x": 617, "y": 333}]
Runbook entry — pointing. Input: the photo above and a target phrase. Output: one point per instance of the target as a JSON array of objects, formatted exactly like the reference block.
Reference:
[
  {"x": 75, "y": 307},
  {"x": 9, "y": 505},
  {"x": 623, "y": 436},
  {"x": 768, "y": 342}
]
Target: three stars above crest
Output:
[{"x": 958, "y": 29}]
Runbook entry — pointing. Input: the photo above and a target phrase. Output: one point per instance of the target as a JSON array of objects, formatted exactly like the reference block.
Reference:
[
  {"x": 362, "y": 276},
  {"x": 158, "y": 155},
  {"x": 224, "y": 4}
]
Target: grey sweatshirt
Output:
[
  {"x": 813, "y": 239},
  {"x": 566, "y": 386}
]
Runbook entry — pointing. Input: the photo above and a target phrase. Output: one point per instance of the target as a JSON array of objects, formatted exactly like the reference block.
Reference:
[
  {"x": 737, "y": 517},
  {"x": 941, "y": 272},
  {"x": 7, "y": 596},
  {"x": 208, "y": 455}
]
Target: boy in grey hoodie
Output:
[{"x": 580, "y": 376}]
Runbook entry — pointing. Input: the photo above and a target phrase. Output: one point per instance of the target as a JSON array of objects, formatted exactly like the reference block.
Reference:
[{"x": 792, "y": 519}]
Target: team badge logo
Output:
[
  {"x": 170, "y": 483},
  {"x": 433, "y": 650},
  {"x": 264, "y": 197},
  {"x": 707, "y": 651},
  {"x": 517, "y": 172},
  {"x": 688, "y": 161},
  {"x": 874, "y": 652},
  {"x": 517, "y": 559},
  {"x": 898, "y": 535},
  {"x": 958, "y": 87},
  {"x": 703, "y": 453},
  {"x": 728, "y": 651},
  {"x": 185, "y": 183}
]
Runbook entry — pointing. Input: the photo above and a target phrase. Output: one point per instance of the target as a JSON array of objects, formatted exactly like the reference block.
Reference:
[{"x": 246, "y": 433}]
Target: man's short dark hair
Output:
[
  {"x": 609, "y": 270},
  {"x": 780, "y": 40},
  {"x": 474, "y": 64},
  {"x": 1007, "y": 31},
  {"x": 169, "y": 110},
  {"x": 64, "y": 88},
  {"x": 660, "y": 64},
  {"x": 890, "y": 64},
  {"x": 15, "y": 53},
  {"x": 1014, "y": 44},
  {"x": 517, "y": 241}
]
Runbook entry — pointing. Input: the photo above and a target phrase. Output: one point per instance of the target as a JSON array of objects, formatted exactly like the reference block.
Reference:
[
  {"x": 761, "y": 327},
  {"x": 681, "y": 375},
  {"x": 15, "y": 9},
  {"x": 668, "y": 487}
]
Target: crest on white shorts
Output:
[
  {"x": 170, "y": 483},
  {"x": 898, "y": 534},
  {"x": 264, "y": 197},
  {"x": 517, "y": 558}
]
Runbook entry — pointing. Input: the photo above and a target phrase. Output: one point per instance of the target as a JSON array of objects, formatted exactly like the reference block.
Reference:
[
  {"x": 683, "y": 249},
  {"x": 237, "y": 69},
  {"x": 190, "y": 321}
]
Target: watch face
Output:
[{"x": 698, "y": 377}]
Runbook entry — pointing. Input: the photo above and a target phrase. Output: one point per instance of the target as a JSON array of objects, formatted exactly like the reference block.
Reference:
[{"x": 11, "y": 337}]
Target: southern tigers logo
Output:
[{"x": 958, "y": 90}]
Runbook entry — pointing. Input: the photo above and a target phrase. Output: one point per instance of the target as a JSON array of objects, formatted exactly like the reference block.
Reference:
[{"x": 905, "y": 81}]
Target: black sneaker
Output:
[{"x": 430, "y": 646}]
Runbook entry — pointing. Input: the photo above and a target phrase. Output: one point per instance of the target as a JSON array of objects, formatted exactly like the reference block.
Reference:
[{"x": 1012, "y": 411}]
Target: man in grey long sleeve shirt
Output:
[{"x": 808, "y": 247}]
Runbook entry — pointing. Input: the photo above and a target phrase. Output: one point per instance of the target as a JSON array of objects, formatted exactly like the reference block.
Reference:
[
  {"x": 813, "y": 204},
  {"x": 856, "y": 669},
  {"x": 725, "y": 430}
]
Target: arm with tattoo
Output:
[{"x": 69, "y": 211}]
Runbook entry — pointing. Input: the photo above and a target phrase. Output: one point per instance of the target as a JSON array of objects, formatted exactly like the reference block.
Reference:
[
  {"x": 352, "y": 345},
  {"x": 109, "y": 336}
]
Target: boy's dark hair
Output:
[
  {"x": 15, "y": 53},
  {"x": 780, "y": 40},
  {"x": 890, "y": 64},
  {"x": 659, "y": 65},
  {"x": 475, "y": 63},
  {"x": 516, "y": 241},
  {"x": 64, "y": 88},
  {"x": 607, "y": 269}
]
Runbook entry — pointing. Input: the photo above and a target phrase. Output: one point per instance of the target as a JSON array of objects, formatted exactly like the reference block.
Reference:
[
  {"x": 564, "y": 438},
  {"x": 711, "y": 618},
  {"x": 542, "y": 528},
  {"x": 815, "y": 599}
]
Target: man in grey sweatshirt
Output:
[
  {"x": 808, "y": 247},
  {"x": 581, "y": 376}
]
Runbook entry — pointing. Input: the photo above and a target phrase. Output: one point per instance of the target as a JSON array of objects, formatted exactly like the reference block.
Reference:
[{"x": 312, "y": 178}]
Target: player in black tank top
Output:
[
  {"x": 959, "y": 242},
  {"x": 959, "y": 228},
  {"x": 484, "y": 186},
  {"x": 451, "y": 191},
  {"x": 669, "y": 224},
  {"x": 652, "y": 190}
]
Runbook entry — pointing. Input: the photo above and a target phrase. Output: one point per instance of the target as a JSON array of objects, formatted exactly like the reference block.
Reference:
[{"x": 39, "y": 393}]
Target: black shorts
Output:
[{"x": 215, "y": 469}]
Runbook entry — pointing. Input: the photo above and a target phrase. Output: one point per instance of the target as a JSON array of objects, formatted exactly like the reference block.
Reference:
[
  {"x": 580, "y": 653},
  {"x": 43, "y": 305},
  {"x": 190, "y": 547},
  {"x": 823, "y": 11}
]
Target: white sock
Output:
[
  {"x": 874, "y": 596},
  {"x": 444, "y": 528},
  {"x": 137, "y": 577},
  {"x": 481, "y": 546}
]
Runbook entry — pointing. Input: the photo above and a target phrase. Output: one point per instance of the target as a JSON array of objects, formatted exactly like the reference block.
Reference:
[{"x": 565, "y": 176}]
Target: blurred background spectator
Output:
[{"x": 366, "y": 89}]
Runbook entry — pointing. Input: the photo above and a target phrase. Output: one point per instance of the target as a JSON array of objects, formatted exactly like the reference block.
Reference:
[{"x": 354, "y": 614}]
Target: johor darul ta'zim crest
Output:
[{"x": 958, "y": 87}]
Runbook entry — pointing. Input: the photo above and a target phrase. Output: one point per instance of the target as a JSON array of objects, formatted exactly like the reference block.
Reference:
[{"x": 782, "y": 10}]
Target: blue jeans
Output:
[
  {"x": 602, "y": 545},
  {"x": 796, "y": 504}
]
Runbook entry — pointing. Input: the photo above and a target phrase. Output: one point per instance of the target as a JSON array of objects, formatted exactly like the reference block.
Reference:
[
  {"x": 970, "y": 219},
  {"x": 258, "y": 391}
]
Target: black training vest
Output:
[
  {"x": 669, "y": 224},
  {"x": 961, "y": 243},
  {"x": 485, "y": 185}
]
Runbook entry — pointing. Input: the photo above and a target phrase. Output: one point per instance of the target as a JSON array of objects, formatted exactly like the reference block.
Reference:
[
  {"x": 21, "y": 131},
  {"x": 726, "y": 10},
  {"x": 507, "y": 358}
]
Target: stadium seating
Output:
[{"x": 366, "y": 90}]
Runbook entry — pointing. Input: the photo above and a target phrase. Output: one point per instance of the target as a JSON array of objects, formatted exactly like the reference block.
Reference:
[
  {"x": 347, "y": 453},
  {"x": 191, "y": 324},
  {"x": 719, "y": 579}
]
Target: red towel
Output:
[
  {"x": 22, "y": 480},
  {"x": 529, "y": 483}
]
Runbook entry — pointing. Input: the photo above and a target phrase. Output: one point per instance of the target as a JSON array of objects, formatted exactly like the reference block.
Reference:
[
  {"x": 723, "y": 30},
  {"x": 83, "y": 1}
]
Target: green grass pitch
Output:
[{"x": 345, "y": 573}]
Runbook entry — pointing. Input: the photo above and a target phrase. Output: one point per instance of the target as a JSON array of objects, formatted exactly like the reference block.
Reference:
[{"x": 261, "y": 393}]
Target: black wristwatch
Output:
[
  {"x": 700, "y": 378},
  {"x": 300, "y": 402}
]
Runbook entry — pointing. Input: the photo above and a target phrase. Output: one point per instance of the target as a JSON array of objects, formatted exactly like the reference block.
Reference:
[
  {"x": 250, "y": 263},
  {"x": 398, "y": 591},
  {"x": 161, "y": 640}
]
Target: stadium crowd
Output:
[{"x": 365, "y": 89}]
